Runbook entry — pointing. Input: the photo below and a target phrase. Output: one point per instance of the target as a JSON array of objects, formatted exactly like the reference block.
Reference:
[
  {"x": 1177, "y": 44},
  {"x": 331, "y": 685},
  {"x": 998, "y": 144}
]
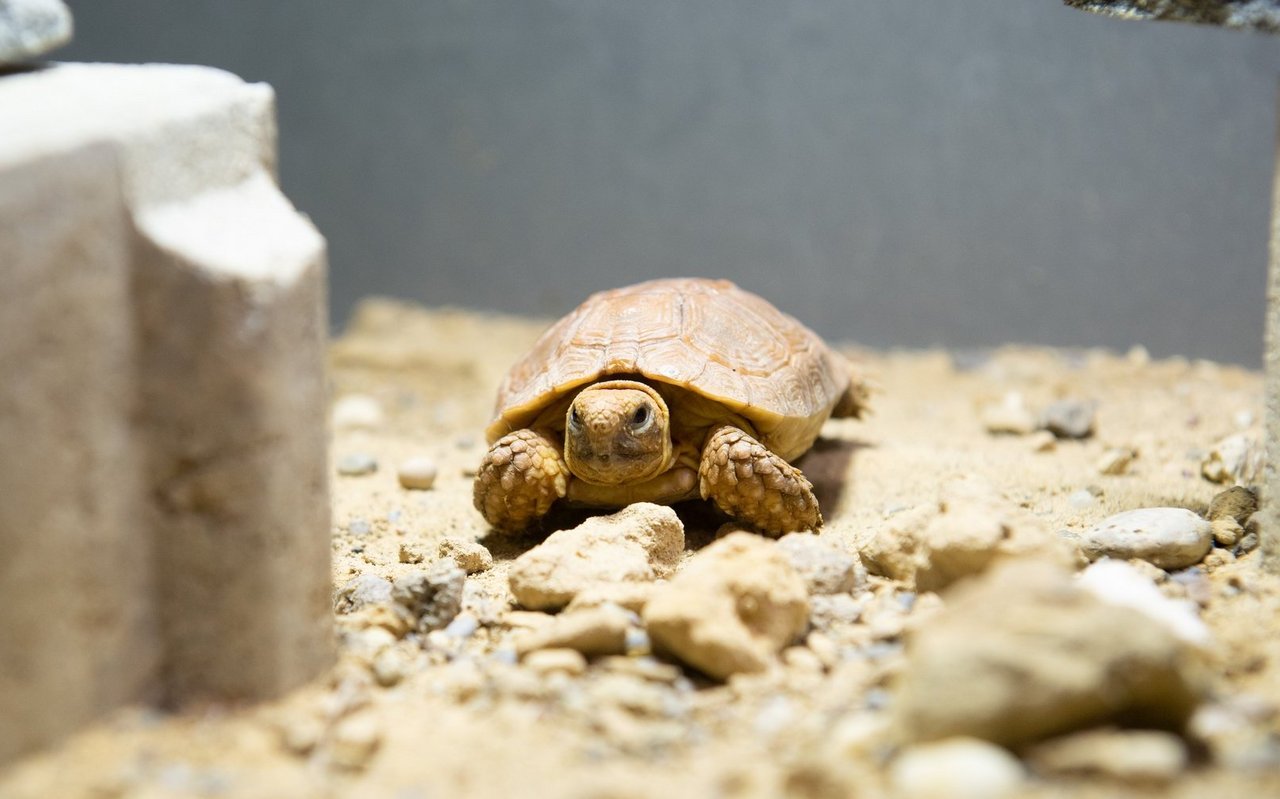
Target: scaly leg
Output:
[
  {"x": 523, "y": 473},
  {"x": 748, "y": 482}
]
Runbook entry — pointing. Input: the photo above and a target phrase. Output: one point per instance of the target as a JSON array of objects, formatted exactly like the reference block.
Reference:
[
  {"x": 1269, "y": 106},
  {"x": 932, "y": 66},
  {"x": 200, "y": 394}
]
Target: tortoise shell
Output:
[{"x": 705, "y": 336}]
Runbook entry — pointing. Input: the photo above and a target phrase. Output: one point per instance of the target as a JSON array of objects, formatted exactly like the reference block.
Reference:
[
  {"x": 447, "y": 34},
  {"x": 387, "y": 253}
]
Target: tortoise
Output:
[{"x": 664, "y": 391}]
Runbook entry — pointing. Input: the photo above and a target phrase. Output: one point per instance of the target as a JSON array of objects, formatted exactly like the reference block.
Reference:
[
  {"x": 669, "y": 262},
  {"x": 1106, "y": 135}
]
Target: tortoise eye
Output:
[
  {"x": 575, "y": 418},
  {"x": 640, "y": 416}
]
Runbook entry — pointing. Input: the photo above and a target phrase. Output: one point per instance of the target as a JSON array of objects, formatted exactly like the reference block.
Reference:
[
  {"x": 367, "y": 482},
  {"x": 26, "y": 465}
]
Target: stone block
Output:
[{"x": 166, "y": 517}]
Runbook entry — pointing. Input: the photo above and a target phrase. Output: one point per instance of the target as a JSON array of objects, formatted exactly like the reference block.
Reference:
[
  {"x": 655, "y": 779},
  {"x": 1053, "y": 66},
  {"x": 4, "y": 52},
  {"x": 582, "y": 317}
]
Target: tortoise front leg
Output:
[
  {"x": 521, "y": 475},
  {"x": 748, "y": 482}
]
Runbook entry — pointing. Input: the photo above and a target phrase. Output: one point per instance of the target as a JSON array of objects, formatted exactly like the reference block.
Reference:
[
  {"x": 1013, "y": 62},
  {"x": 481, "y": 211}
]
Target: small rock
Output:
[
  {"x": 355, "y": 740},
  {"x": 959, "y": 542},
  {"x": 357, "y": 412},
  {"x": 357, "y": 464},
  {"x": 1121, "y": 584},
  {"x": 390, "y": 666},
  {"x": 1042, "y": 441},
  {"x": 1116, "y": 461},
  {"x": 1011, "y": 416},
  {"x": 31, "y": 28},
  {"x": 358, "y": 527},
  {"x": 732, "y": 608},
  {"x": 1218, "y": 558},
  {"x": 412, "y": 552},
  {"x": 418, "y": 473},
  {"x": 1238, "y": 458},
  {"x": 1132, "y": 756},
  {"x": 550, "y": 661},
  {"x": 463, "y": 626},
  {"x": 1171, "y": 538},
  {"x": 593, "y": 632},
  {"x": 362, "y": 591},
  {"x": 641, "y": 543},
  {"x": 1082, "y": 499},
  {"x": 1237, "y": 502},
  {"x": 823, "y": 565},
  {"x": 1227, "y": 532},
  {"x": 1070, "y": 418},
  {"x": 383, "y": 615},
  {"x": 826, "y": 610},
  {"x": 471, "y": 556},
  {"x": 300, "y": 735},
  {"x": 631, "y": 596},
  {"x": 956, "y": 768},
  {"x": 433, "y": 596},
  {"x": 1023, "y": 652}
]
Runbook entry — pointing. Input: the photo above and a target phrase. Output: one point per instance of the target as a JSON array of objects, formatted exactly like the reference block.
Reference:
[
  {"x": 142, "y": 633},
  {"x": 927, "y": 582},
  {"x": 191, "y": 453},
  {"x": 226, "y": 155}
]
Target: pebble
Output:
[
  {"x": 1071, "y": 418},
  {"x": 1131, "y": 756},
  {"x": 1238, "y": 458},
  {"x": 391, "y": 665},
  {"x": 417, "y": 473},
  {"x": 412, "y": 552},
  {"x": 355, "y": 740},
  {"x": 823, "y": 564},
  {"x": 731, "y": 609},
  {"x": 358, "y": 527},
  {"x": 463, "y": 626},
  {"x": 956, "y": 768},
  {"x": 826, "y": 610},
  {"x": 641, "y": 543},
  {"x": 1227, "y": 532},
  {"x": 362, "y": 591},
  {"x": 593, "y": 632},
  {"x": 471, "y": 556},
  {"x": 550, "y": 661},
  {"x": 1116, "y": 461},
  {"x": 1042, "y": 441},
  {"x": 1082, "y": 499},
  {"x": 1171, "y": 538},
  {"x": 357, "y": 412},
  {"x": 31, "y": 28},
  {"x": 301, "y": 735},
  {"x": 1237, "y": 502},
  {"x": 357, "y": 464},
  {"x": 433, "y": 595},
  {"x": 1011, "y": 416}
]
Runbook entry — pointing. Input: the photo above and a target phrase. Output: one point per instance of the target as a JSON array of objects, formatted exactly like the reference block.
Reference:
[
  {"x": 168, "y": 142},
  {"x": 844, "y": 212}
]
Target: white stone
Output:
[
  {"x": 417, "y": 473},
  {"x": 357, "y": 412},
  {"x": 29, "y": 28},
  {"x": 827, "y": 568},
  {"x": 956, "y": 768},
  {"x": 1171, "y": 538},
  {"x": 1119, "y": 583}
]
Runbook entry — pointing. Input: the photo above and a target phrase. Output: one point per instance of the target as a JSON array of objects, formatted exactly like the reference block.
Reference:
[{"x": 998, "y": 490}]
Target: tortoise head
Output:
[{"x": 617, "y": 432}]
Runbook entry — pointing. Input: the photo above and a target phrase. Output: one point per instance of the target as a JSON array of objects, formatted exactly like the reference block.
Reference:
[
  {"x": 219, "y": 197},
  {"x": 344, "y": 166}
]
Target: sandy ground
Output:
[{"x": 450, "y": 715}]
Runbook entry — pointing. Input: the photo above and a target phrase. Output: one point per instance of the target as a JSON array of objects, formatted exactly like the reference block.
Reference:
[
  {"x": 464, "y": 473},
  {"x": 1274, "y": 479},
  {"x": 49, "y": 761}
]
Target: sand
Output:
[{"x": 456, "y": 719}]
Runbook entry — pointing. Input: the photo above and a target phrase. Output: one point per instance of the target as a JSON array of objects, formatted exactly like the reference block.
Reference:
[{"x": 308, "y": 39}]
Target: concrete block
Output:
[{"x": 165, "y": 516}]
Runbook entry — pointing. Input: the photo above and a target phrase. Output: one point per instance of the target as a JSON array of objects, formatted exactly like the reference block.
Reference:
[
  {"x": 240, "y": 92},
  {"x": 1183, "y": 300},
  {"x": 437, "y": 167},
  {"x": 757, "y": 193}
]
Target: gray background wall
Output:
[{"x": 900, "y": 173}]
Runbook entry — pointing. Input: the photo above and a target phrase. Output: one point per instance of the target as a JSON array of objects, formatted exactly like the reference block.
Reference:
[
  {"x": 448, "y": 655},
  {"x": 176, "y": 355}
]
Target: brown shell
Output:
[{"x": 707, "y": 336}]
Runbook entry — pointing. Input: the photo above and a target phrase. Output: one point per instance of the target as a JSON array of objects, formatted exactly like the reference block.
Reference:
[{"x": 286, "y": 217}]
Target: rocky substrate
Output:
[{"x": 1039, "y": 577}]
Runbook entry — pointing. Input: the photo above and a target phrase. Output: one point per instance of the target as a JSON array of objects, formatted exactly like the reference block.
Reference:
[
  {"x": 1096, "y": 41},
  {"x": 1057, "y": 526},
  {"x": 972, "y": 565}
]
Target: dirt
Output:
[{"x": 450, "y": 714}]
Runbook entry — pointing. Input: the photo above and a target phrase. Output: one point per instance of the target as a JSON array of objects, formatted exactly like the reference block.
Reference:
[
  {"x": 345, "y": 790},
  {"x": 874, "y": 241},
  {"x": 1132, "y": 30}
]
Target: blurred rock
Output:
[
  {"x": 1071, "y": 418},
  {"x": 1238, "y": 458},
  {"x": 362, "y": 591},
  {"x": 1023, "y": 653},
  {"x": 593, "y": 632},
  {"x": 956, "y": 768},
  {"x": 1010, "y": 416},
  {"x": 1237, "y": 502},
  {"x": 433, "y": 596},
  {"x": 1131, "y": 756},
  {"x": 1122, "y": 584},
  {"x": 31, "y": 28},
  {"x": 823, "y": 564}
]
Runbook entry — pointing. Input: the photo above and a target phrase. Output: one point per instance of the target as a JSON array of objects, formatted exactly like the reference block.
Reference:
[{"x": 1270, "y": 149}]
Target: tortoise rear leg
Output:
[
  {"x": 748, "y": 482},
  {"x": 521, "y": 475}
]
